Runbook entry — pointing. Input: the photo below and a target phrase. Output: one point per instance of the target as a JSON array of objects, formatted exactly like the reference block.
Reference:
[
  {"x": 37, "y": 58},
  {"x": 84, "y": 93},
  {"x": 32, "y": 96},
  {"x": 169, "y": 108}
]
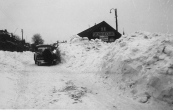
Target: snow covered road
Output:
[
  {"x": 54, "y": 87},
  {"x": 24, "y": 85}
]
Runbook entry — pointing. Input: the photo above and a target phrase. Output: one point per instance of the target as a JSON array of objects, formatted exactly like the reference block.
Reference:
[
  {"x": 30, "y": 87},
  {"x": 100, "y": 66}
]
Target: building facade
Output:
[{"x": 101, "y": 31}]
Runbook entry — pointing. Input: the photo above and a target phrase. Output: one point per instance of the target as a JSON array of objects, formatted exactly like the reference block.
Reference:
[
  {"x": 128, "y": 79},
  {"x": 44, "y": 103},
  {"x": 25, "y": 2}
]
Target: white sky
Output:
[{"x": 60, "y": 19}]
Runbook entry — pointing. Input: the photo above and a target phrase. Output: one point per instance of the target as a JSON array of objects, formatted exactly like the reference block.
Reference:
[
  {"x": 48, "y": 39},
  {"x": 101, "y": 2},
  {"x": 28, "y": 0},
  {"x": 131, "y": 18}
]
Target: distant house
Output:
[
  {"x": 101, "y": 31},
  {"x": 8, "y": 42}
]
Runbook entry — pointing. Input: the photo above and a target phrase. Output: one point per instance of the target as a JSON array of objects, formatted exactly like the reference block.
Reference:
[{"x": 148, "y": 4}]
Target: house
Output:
[
  {"x": 8, "y": 42},
  {"x": 101, "y": 31}
]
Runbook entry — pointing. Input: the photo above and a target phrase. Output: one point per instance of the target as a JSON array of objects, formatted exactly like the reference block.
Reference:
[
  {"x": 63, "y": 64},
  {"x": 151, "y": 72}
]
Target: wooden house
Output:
[{"x": 101, "y": 31}]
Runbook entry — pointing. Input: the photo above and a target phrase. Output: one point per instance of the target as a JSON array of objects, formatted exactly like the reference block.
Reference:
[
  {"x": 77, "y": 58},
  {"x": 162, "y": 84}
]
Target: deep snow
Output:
[
  {"x": 138, "y": 67},
  {"x": 132, "y": 73}
]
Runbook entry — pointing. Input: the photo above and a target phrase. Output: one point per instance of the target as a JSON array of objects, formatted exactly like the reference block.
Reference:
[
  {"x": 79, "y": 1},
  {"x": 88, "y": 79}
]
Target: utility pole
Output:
[
  {"x": 116, "y": 20},
  {"x": 22, "y": 34},
  {"x": 22, "y": 39}
]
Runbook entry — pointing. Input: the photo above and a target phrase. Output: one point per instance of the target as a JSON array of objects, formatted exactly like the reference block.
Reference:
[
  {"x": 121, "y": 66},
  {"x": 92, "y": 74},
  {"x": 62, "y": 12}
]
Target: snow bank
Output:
[
  {"x": 12, "y": 65},
  {"x": 82, "y": 54},
  {"x": 14, "y": 60},
  {"x": 139, "y": 66}
]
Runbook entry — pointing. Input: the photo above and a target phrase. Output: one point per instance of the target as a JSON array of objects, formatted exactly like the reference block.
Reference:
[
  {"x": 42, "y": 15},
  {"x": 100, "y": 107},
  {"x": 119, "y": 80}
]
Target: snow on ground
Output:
[
  {"x": 132, "y": 73},
  {"x": 11, "y": 68},
  {"x": 136, "y": 67}
]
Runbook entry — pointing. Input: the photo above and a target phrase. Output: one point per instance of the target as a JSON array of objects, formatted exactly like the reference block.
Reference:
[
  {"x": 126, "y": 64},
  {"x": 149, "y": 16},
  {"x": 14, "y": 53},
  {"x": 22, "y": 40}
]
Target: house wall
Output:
[{"x": 105, "y": 33}]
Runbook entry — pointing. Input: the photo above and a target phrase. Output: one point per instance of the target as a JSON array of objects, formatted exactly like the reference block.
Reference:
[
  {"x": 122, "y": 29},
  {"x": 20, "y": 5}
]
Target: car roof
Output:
[{"x": 43, "y": 45}]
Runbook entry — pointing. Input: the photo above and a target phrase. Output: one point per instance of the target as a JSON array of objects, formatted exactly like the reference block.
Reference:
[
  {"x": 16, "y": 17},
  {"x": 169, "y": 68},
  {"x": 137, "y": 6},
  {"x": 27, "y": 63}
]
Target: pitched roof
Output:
[{"x": 89, "y": 31}]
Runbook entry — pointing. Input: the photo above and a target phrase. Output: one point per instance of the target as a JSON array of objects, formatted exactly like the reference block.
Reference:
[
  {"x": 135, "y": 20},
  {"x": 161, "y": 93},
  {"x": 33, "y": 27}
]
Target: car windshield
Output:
[{"x": 41, "y": 49}]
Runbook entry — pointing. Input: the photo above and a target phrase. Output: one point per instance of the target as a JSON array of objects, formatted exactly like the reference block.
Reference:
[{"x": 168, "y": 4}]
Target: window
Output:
[
  {"x": 103, "y": 28},
  {"x": 41, "y": 49}
]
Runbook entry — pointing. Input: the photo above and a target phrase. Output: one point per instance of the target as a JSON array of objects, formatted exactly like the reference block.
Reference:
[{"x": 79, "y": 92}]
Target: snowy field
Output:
[{"x": 132, "y": 73}]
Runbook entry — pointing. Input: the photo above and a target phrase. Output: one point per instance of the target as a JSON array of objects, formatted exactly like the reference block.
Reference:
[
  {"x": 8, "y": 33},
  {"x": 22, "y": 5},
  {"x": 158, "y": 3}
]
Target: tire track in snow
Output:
[{"x": 39, "y": 87}]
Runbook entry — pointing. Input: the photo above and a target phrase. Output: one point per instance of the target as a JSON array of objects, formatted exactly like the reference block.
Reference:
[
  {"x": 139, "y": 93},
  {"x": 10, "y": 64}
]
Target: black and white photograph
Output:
[{"x": 86, "y": 54}]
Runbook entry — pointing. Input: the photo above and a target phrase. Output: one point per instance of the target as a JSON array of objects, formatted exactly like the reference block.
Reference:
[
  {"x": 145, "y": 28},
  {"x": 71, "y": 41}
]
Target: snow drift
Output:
[
  {"x": 138, "y": 66},
  {"x": 136, "y": 69},
  {"x": 12, "y": 66}
]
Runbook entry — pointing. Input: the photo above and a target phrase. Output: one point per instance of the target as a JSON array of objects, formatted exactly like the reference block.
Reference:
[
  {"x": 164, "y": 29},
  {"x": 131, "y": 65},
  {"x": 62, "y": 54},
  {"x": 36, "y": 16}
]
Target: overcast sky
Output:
[{"x": 60, "y": 19}]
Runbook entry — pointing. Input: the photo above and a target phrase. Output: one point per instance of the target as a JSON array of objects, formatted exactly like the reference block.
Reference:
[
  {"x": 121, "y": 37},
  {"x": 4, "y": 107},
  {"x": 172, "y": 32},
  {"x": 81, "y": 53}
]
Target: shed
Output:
[{"x": 101, "y": 31}]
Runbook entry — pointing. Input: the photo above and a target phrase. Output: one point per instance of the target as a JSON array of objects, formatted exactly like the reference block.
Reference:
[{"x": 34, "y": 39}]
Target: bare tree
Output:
[{"x": 37, "y": 39}]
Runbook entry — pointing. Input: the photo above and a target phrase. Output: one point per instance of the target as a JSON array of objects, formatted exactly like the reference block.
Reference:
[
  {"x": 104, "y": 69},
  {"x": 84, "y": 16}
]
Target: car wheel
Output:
[
  {"x": 34, "y": 57},
  {"x": 54, "y": 63},
  {"x": 35, "y": 62},
  {"x": 39, "y": 63}
]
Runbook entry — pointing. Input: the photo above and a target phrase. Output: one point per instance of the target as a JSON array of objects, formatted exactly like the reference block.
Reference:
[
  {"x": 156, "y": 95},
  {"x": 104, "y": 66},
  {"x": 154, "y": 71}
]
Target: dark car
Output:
[{"x": 45, "y": 54}]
